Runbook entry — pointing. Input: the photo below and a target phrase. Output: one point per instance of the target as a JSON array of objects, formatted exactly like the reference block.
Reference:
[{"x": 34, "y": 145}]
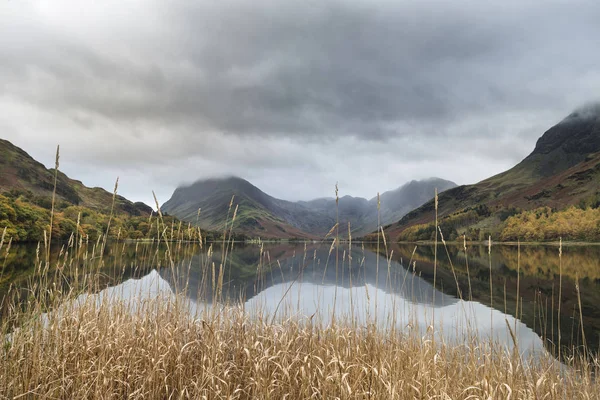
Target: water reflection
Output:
[
  {"x": 393, "y": 298},
  {"x": 247, "y": 273},
  {"x": 455, "y": 322},
  {"x": 356, "y": 284},
  {"x": 361, "y": 287},
  {"x": 537, "y": 281}
]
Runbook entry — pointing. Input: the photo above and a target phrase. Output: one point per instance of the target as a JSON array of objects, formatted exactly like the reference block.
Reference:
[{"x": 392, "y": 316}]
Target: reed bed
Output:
[{"x": 106, "y": 351}]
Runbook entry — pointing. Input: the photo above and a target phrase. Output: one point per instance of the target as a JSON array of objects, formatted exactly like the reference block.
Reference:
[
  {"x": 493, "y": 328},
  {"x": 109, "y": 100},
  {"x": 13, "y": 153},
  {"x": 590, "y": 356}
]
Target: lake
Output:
[{"x": 392, "y": 288}]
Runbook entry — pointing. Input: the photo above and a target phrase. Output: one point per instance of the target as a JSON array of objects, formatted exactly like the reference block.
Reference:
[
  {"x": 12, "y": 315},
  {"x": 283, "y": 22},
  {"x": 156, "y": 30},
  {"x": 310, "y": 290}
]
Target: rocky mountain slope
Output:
[{"x": 563, "y": 170}]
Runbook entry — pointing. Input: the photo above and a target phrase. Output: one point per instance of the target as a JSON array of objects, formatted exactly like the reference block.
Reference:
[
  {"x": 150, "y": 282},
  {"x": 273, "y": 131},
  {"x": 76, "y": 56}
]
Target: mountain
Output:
[
  {"x": 362, "y": 213},
  {"x": 258, "y": 213},
  {"x": 265, "y": 216},
  {"x": 20, "y": 172},
  {"x": 26, "y": 188},
  {"x": 397, "y": 203},
  {"x": 562, "y": 171}
]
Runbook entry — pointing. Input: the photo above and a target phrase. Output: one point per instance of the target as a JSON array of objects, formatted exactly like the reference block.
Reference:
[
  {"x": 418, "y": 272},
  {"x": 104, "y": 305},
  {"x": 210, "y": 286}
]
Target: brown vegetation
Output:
[{"x": 106, "y": 351}]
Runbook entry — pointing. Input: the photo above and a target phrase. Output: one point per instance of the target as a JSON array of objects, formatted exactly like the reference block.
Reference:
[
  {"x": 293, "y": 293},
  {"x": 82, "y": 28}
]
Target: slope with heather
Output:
[
  {"x": 26, "y": 188},
  {"x": 562, "y": 173}
]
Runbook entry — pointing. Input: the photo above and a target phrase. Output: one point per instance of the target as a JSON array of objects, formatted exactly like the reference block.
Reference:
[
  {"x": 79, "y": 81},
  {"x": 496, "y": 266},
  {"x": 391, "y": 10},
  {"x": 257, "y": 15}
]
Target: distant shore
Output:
[{"x": 510, "y": 243}]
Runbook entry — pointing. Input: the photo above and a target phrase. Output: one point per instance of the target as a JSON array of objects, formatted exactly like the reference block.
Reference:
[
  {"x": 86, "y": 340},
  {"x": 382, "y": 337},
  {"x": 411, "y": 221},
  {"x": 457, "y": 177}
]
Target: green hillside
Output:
[{"x": 26, "y": 200}]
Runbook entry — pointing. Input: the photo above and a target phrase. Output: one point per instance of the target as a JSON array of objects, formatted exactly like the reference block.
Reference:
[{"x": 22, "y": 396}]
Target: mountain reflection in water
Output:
[
  {"x": 363, "y": 288},
  {"x": 307, "y": 284}
]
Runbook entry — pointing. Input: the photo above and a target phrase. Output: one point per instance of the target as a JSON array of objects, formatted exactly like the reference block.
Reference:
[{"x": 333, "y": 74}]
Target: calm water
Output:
[{"x": 356, "y": 284}]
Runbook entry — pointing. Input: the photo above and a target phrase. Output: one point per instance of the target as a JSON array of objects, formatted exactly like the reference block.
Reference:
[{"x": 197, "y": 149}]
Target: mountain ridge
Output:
[
  {"x": 562, "y": 171},
  {"x": 263, "y": 215}
]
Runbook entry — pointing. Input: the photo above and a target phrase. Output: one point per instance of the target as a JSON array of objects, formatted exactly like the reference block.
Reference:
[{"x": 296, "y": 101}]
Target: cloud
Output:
[{"x": 277, "y": 91}]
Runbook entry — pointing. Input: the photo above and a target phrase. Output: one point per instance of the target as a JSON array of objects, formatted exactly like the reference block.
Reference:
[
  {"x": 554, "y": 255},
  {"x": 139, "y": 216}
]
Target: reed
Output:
[{"x": 56, "y": 164}]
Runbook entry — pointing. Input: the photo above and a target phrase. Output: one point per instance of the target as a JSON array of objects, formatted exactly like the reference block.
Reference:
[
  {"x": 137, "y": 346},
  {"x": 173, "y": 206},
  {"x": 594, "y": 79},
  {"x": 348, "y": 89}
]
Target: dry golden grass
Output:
[{"x": 106, "y": 350}]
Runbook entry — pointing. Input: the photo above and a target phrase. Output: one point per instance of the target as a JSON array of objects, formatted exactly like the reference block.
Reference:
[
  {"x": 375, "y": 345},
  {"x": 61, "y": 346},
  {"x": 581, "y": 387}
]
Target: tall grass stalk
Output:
[
  {"x": 583, "y": 341},
  {"x": 518, "y": 282},
  {"x": 56, "y": 164},
  {"x": 559, "y": 297},
  {"x": 467, "y": 266},
  {"x": 491, "y": 286},
  {"x": 379, "y": 232},
  {"x": 435, "y": 264},
  {"x": 112, "y": 210},
  {"x": 337, "y": 247}
]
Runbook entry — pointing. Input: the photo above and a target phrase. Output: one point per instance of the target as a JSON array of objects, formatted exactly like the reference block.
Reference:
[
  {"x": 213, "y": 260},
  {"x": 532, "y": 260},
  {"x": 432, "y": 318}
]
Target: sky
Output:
[{"x": 292, "y": 95}]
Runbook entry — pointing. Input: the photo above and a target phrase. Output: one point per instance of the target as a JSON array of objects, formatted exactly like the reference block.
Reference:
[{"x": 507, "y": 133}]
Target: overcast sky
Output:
[{"x": 291, "y": 95}]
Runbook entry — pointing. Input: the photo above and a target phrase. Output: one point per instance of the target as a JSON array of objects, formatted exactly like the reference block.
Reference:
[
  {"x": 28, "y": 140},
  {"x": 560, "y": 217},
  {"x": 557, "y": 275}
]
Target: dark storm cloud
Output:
[
  {"x": 335, "y": 89},
  {"x": 296, "y": 68}
]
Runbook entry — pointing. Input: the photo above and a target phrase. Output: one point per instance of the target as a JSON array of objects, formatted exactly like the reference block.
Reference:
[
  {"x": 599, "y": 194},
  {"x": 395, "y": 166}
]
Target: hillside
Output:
[
  {"x": 26, "y": 198},
  {"x": 20, "y": 172},
  {"x": 265, "y": 216},
  {"x": 561, "y": 173}
]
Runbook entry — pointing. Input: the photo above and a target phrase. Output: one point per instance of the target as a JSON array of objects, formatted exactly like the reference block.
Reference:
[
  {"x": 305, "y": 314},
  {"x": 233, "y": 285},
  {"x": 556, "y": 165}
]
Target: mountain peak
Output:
[
  {"x": 567, "y": 143},
  {"x": 587, "y": 112},
  {"x": 561, "y": 171},
  {"x": 429, "y": 183},
  {"x": 230, "y": 182},
  {"x": 219, "y": 179},
  {"x": 265, "y": 216}
]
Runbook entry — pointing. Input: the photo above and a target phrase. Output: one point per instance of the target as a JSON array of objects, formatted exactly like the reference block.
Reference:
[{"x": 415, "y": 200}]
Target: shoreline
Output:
[
  {"x": 510, "y": 243},
  {"x": 329, "y": 240}
]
